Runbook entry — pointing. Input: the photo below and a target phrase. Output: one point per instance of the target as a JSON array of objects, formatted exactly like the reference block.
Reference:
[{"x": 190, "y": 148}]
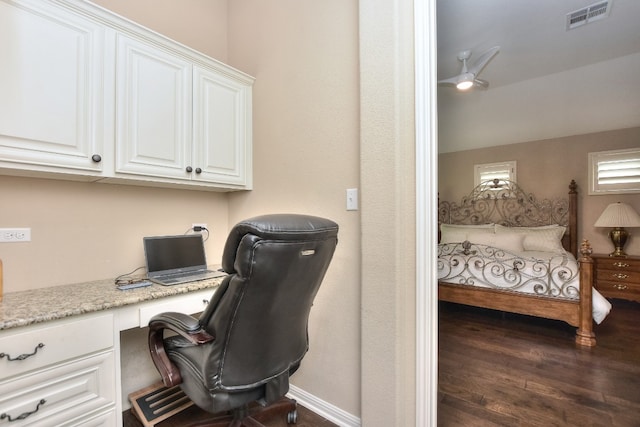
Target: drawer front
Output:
[
  {"x": 34, "y": 347},
  {"x": 618, "y": 289},
  {"x": 106, "y": 419},
  {"x": 67, "y": 394},
  {"x": 188, "y": 304},
  {"x": 619, "y": 264},
  {"x": 625, "y": 276}
]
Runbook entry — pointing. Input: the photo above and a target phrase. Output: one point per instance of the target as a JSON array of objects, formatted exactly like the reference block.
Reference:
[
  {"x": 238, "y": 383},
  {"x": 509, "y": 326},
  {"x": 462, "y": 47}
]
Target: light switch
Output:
[{"x": 352, "y": 199}]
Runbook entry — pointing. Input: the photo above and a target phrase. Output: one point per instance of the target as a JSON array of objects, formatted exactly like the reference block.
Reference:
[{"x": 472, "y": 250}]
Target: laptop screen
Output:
[{"x": 183, "y": 252}]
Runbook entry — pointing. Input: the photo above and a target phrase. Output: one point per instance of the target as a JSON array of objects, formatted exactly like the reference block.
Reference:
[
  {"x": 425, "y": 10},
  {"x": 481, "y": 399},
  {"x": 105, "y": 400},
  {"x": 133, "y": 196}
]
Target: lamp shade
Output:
[{"x": 618, "y": 215}]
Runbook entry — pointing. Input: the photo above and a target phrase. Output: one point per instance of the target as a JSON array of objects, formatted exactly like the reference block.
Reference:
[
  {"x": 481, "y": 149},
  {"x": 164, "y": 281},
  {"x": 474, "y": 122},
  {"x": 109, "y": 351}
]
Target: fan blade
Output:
[
  {"x": 481, "y": 84},
  {"x": 483, "y": 60}
]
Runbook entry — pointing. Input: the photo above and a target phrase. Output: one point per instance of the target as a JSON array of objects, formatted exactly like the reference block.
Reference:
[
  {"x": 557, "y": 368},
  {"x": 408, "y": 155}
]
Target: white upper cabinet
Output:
[
  {"x": 221, "y": 128},
  {"x": 153, "y": 110},
  {"x": 86, "y": 94},
  {"x": 51, "y": 90}
]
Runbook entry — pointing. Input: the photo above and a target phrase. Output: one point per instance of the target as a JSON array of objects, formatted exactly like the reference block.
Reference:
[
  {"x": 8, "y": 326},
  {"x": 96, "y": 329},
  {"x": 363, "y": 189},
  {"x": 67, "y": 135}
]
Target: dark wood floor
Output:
[
  {"x": 306, "y": 418},
  {"x": 499, "y": 369}
]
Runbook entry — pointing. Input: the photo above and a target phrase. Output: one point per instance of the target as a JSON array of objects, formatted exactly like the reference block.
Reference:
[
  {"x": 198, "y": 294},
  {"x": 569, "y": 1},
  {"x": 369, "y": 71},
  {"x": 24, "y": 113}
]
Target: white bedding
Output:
[{"x": 549, "y": 274}]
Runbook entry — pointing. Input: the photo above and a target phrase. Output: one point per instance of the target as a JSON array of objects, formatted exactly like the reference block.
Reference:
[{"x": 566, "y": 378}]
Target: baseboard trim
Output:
[{"x": 324, "y": 409}]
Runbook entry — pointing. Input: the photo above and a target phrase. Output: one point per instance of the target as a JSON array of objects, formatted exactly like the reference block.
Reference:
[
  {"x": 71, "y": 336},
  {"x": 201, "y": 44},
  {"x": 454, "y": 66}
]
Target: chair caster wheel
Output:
[{"x": 292, "y": 417}]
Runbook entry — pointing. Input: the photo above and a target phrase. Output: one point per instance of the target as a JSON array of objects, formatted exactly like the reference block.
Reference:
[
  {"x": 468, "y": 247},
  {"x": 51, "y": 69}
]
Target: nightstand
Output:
[{"x": 618, "y": 277}]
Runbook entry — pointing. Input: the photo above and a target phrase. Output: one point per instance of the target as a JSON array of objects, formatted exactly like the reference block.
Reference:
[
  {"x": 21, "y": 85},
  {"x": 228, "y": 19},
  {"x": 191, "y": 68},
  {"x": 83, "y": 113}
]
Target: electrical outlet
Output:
[
  {"x": 15, "y": 235},
  {"x": 202, "y": 225}
]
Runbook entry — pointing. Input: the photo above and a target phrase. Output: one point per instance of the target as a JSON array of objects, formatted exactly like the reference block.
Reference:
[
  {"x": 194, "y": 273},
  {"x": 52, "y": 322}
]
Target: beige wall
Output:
[
  {"x": 388, "y": 213},
  {"x": 304, "y": 56},
  {"x": 199, "y": 24},
  {"x": 82, "y": 231},
  {"x": 545, "y": 168}
]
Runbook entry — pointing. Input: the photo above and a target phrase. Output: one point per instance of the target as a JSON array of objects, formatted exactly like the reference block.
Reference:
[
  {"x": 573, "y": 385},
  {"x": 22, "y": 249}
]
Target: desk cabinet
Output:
[
  {"x": 76, "y": 362},
  {"x": 59, "y": 374},
  {"x": 618, "y": 277}
]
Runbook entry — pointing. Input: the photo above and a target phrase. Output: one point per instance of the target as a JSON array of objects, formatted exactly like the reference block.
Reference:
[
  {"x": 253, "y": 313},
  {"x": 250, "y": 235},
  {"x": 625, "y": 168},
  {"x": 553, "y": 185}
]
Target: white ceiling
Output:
[{"x": 546, "y": 82}]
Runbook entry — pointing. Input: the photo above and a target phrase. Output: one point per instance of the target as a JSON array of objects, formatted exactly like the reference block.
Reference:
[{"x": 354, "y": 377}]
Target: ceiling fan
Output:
[{"x": 468, "y": 77}]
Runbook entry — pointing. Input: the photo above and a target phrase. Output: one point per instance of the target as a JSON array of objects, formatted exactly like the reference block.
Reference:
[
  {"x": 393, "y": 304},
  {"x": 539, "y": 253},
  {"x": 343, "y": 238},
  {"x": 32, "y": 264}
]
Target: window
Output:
[
  {"x": 616, "y": 171},
  {"x": 491, "y": 171}
]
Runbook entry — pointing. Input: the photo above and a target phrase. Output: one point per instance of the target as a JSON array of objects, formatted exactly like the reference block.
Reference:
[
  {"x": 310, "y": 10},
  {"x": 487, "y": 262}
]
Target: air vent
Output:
[{"x": 588, "y": 14}]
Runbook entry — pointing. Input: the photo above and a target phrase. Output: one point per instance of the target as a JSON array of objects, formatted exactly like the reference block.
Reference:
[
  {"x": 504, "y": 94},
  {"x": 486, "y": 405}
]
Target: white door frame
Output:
[{"x": 426, "y": 212}]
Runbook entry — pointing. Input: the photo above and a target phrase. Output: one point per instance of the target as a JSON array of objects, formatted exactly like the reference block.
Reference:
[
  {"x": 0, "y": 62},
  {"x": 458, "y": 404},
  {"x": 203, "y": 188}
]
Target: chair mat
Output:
[{"x": 156, "y": 403}]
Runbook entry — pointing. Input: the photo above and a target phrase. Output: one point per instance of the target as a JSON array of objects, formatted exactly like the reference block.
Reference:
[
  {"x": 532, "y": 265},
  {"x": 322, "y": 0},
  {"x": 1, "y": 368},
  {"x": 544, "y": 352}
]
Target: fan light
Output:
[
  {"x": 464, "y": 85},
  {"x": 465, "y": 80}
]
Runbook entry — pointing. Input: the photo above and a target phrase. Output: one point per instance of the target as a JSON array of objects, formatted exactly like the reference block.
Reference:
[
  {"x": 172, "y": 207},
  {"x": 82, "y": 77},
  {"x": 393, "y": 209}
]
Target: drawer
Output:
[
  {"x": 617, "y": 264},
  {"x": 626, "y": 276},
  {"x": 189, "y": 304},
  {"x": 106, "y": 419},
  {"x": 67, "y": 394},
  {"x": 34, "y": 347},
  {"x": 617, "y": 289}
]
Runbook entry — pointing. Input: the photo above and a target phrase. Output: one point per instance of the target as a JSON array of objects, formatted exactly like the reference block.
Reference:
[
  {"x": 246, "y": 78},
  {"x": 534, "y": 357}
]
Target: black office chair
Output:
[{"x": 253, "y": 334}]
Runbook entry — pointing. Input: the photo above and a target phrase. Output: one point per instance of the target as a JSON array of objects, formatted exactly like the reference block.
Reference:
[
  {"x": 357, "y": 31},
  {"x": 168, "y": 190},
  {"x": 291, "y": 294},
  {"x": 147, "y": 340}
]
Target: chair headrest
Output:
[{"x": 283, "y": 227}]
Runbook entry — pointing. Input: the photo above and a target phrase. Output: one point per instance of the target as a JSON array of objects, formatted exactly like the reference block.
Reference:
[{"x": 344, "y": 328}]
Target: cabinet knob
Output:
[
  {"x": 189, "y": 169},
  {"x": 198, "y": 170},
  {"x": 96, "y": 158},
  {"x": 620, "y": 287}
]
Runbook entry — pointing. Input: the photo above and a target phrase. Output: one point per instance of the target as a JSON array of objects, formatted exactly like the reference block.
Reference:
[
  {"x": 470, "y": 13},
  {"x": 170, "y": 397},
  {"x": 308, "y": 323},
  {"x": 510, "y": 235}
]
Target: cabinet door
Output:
[
  {"x": 222, "y": 128},
  {"x": 51, "y": 89},
  {"x": 153, "y": 110}
]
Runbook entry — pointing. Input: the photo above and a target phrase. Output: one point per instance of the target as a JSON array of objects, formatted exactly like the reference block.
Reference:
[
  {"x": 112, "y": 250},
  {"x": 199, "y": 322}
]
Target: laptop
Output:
[{"x": 172, "y": 260}]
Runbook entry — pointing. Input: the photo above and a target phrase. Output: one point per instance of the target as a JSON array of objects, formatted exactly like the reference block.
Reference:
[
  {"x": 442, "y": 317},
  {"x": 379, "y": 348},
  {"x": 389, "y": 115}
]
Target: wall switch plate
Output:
[
  {"x": 15, "y": 235},
  {"x": 352, "y": 199}
]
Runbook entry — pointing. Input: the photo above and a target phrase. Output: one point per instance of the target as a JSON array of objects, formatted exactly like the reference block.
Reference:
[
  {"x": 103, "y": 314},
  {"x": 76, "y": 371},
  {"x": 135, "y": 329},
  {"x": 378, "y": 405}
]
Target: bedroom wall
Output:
[{"x": 545, "y": 168}]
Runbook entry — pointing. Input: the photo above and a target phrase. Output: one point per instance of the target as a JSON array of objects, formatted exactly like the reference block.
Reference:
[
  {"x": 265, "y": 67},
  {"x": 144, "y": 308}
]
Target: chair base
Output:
[{"x": 252, "y": 416}]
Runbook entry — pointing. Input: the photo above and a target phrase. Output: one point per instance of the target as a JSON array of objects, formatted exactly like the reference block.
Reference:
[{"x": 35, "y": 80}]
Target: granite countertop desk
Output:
[{"x": 46, "y": 304}]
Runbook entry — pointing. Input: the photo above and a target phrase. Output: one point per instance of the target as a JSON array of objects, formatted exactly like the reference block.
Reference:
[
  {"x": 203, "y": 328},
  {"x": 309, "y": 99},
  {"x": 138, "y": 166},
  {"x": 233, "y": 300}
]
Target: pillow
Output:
[
  {"x": 500, "y": 227},
  {"x": 511, "y": 242},
  {"x": 546, "y": 238},
  {"x": 548, "y": 241},
  {"x": 455, "y": 233}
]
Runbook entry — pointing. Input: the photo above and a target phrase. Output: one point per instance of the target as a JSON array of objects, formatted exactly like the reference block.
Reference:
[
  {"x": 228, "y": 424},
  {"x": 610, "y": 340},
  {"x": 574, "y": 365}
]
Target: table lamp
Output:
[{"x": 617, "y": 216}]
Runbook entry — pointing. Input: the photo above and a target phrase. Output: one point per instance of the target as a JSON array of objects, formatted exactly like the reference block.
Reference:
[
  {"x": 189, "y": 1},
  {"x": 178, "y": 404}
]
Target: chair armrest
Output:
[{"x": 185, "y": 326}]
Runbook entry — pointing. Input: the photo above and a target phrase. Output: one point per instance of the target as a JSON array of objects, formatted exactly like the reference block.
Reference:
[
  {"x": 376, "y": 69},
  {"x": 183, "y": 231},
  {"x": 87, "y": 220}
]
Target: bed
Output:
[{"x": 503, "y": 249}]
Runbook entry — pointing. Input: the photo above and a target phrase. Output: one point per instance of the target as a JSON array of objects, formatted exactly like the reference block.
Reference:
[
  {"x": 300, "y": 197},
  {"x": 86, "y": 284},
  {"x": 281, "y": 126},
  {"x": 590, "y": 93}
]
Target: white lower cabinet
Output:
[{"x": 60, "y": 373}]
